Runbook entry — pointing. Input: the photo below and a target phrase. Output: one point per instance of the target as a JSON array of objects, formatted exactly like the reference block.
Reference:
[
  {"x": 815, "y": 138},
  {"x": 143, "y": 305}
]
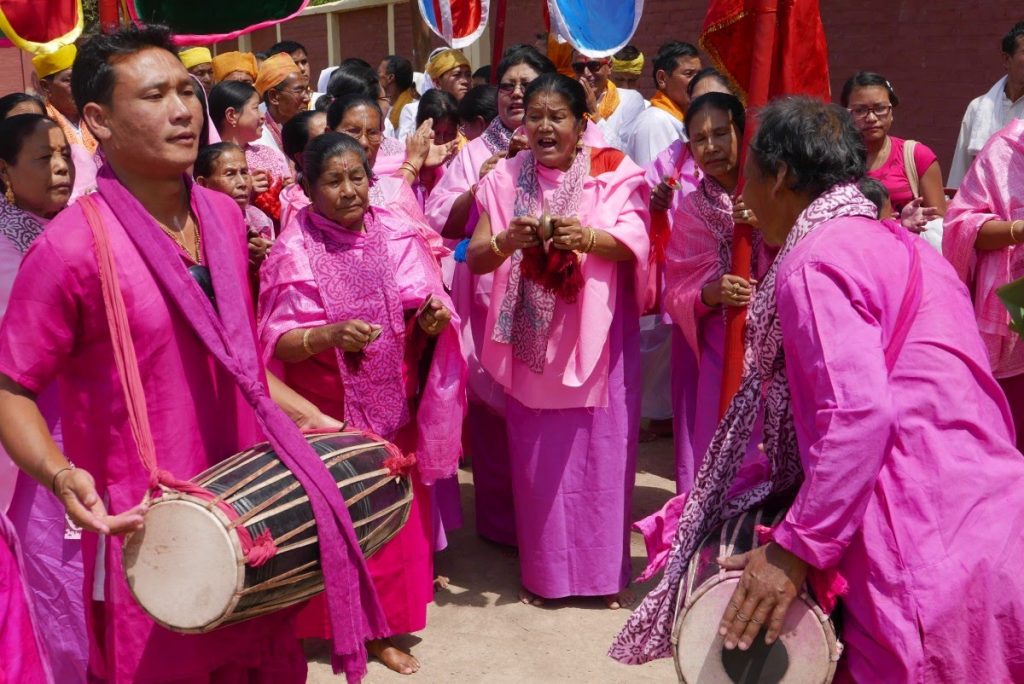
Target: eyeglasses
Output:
[
  {"x": 371, "y": 136},
  {"x": 879, "y": 110},
  {"x": 592, "y": 64},
  {"x": 509, "y": 88}
]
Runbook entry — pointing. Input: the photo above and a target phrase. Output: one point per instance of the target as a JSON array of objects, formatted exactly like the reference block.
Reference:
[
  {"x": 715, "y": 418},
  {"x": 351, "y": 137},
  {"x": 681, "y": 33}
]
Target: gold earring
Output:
[{"x": 8, "y": 191}]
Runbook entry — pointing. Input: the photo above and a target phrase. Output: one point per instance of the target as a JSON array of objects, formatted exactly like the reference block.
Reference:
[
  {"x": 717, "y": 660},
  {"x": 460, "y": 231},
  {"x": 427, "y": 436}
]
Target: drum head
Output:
[
  {"x": 182, "y": 566},
  {"x": 801, "y": 655}
]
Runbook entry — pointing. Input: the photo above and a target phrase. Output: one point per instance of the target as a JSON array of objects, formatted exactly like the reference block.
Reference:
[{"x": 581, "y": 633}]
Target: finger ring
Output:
[
  {"x": 746, "y": 213},
  {"x": 741, "y": 617}
]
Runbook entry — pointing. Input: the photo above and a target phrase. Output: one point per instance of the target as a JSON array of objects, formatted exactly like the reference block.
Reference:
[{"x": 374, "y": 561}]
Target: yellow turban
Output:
[
  {"x": 443, "y": 62},
  {"x": 55, "y": 62},
  {"x": 274, "y": 70},
  {"x": 193, "y": 57},
  {"x": 230, "y": 62},
  {"x": 632, "y": 67}
]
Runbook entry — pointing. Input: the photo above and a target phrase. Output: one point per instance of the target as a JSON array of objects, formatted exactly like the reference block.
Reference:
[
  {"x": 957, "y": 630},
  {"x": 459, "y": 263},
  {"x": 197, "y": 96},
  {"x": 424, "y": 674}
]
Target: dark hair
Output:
[
  {"x": 260, "y": 55},
  {"x": 208, "y": 156},
  {"x": 528, "y": 55},
  {"x": 1010, "y": 39},
  {"x": 817, "y": 141},
  {"x": 295, "y": 134},
  {"x": 875, "y": 191},
  {"x": 436, "y": 104},
  {"x": 627, "y": 54},
  {"x": 228, "y": 95},
  {"x": 668, "y": 57},
  {"x": 356, "y": 61},
  {"x": 730, "y": 104},
  {"x": 337, "y": 110},
  {"x": 480, "y": 101},
  {"x": 323, "y": 148},
  {"x": 401, "y": 69},
  {"x": 13, "y": 133},
  {"x": 12, "y": 100},
  {"x": 353, "y": 78},
  {"x": 288, "y": 46},
  {"x": 483, "y": 72},
  {"x": 708, "y": 72},
  {"x": 92, "y": 79},
  {"x": 569, "y": 88},
  {"x": 867, "y": 79}
]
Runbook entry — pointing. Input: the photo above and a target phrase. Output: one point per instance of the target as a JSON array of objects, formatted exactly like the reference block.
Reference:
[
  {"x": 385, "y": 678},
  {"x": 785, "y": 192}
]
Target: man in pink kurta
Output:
[{"x": 912, "y": 487}]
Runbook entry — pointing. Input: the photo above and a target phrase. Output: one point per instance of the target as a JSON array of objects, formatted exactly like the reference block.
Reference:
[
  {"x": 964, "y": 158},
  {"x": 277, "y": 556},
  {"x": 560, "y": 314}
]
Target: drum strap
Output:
[{"x": 257, "y": 551}]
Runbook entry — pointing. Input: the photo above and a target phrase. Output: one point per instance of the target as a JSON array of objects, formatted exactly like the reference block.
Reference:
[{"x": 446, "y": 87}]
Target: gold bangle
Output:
[
  {"x": 1013, "y": 233},
  {"x": 495, "y": 248},
  {"x": 305, "y": 342},
  {"x": 408, "y": 166},
  {"x": 593, "y": 239}
]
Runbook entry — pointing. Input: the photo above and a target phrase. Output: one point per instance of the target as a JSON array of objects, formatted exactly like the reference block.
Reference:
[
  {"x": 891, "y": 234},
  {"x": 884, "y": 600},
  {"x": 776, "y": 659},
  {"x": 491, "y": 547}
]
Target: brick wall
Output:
[{"x": 939, "y": 54}]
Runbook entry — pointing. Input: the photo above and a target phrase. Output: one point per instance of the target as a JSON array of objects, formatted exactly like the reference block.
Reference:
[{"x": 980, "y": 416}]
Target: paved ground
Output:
[{"x": 477, "y": 631}]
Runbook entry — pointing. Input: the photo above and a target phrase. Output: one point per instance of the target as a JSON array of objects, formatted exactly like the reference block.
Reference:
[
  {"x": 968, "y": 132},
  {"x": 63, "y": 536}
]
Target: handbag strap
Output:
[
  {"x": 910, "y": 167},
  {"x": 121, "y": 339}
]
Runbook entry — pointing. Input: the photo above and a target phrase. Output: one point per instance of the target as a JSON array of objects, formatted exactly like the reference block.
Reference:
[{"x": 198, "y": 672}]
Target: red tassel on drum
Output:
[
  {"x": 261, "y": 549},
  {"x": 557, "y": 271},
  {"x": 399, "y": 464}
]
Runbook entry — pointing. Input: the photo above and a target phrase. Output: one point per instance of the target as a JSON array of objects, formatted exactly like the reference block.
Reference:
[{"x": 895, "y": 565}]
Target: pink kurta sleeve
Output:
[
  {"x": 289, "y": 297},
  {"x": 458, "y": 178},
  {"x": 42, "y": 318},
  {"x": 842, "y": 406},
  {"x": 691, "y": 262}
]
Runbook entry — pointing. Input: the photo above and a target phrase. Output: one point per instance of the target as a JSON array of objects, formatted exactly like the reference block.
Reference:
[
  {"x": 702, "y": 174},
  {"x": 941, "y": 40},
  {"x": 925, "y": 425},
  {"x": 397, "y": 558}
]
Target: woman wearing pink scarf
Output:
[
  {"x": 982, "y": 231},
  {"x": 563, "y": 229},
  {"x": 352, "y": 303},
  {"x": 699, "y": 287},
  {"x": 453, "y": 212},
  {"x": 36, "y": 179},
  {"x": 880, "y": 419}
]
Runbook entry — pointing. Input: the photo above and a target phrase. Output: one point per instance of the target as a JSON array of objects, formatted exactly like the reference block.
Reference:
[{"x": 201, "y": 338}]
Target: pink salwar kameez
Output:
[
  {"x": 22, "y": 658},
  {"x": 291, "y": 297},
  {"x": 992, "y": 191},
  {"x": 574, "y": 400}
]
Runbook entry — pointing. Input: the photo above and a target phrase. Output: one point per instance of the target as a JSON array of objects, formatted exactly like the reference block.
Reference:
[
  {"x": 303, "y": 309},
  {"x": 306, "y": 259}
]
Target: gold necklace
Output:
[{"x": 179, "y": 240}]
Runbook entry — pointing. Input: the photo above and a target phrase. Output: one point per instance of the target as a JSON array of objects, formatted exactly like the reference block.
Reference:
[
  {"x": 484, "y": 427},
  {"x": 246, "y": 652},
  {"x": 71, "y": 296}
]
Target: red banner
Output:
[{"x": 40, "y": 25}]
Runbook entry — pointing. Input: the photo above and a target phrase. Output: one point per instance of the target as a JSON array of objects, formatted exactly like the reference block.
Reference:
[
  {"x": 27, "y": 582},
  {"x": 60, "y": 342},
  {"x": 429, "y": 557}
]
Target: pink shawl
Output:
[
  {"x": 575, "y": 373},
  {"x": 700, "y": 251},
  {"x": 647, "y": 633},
  {"x": 993, "y": 190}
]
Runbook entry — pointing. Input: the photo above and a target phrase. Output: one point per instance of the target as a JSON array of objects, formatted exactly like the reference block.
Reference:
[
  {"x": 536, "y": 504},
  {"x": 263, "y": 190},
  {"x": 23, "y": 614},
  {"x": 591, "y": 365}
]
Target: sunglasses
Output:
[{"x": 592, "y": 64}]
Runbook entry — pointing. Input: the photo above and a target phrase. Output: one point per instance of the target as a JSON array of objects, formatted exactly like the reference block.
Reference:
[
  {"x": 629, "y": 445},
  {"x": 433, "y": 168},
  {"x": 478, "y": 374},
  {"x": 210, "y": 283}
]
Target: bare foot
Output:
[
  {"x": 393, "y": 657},
  {"x": 623, "y": 599},
  {"x": 440, "y": 582},
  {"x": 529, "y": 598}
]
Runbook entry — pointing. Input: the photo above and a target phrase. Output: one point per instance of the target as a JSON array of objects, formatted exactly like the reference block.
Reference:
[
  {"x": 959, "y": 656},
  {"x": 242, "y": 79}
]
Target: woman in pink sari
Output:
[
  {"x": 882, "y": 422},
  {"x": 699, "y": 287},
  {"x": 453, "y": 212},
  {"x": 36, "y": 179},
  {"x": 983, "y": 227},
  {"x": 351, "y": 303},
  {"x": 563, "y": 229}
]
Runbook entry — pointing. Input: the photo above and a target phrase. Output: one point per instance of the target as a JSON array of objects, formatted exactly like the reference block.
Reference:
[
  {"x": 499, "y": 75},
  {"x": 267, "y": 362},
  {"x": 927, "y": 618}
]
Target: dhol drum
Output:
[
  {"x": 187, "y": 568},
  {"x": 806, "y": 652}
]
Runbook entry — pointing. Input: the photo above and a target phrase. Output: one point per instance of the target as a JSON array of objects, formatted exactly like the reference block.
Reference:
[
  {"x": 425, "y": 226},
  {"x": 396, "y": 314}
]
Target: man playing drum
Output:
[{"x": 206, "y": 394}]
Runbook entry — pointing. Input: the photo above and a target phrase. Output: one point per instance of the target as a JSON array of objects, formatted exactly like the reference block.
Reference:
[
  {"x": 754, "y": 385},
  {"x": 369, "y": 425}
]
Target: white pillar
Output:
[{"x": 391, "y": 29}]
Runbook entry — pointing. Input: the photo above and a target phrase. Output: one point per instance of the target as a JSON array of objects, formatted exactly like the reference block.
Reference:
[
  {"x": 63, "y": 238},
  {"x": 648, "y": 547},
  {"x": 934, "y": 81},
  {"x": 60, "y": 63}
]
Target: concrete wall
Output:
[{"x": 939, "y": 54}]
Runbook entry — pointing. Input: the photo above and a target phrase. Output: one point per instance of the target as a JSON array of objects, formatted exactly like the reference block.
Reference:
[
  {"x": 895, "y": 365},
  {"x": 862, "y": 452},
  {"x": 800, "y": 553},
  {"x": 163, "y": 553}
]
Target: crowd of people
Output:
[{"x": 525, "y": 269}]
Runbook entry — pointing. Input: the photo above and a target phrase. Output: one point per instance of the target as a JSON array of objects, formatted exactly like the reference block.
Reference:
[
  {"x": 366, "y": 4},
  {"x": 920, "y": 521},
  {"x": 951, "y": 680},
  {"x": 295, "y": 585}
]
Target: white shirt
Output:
[
  {"x": 985, "y": 116},
  {"x": 652, "y": 132},
  {"x": 620, "y": 123},
  {"x": 407, "y": 120}
]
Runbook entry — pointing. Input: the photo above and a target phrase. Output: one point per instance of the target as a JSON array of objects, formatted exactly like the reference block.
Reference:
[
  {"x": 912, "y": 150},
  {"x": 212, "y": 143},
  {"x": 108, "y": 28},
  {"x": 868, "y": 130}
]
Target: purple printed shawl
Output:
[
  {"x": 356, "y": 280},
  {"x": 647, "y": 634},
  {"x": 228, "y": 335},
  {"x": 497, "y": 136},
  {"x": 18, "y": 226},
  {"x": 524, "y": 319}
]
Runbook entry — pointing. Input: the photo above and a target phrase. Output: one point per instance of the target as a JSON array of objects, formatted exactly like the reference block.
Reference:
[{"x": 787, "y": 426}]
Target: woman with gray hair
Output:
[{"x": 892, "y": 439}]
